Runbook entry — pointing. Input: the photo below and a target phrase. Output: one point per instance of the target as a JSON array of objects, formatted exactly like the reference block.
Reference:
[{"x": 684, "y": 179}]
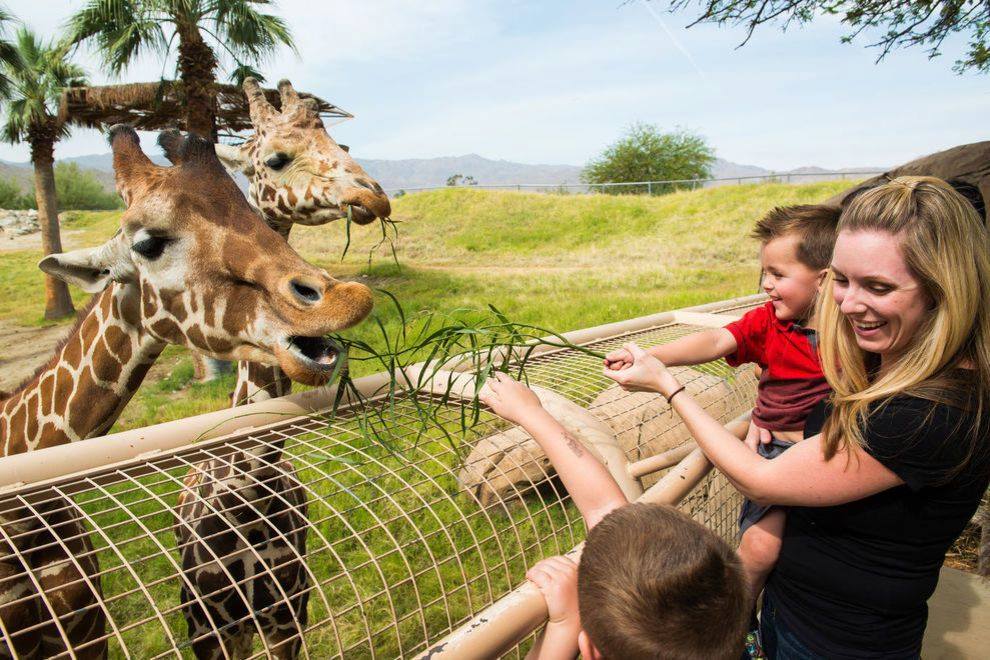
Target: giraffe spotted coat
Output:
[
  {"x": 194, "y": 265},
  {"x": 241, "y": 533}
]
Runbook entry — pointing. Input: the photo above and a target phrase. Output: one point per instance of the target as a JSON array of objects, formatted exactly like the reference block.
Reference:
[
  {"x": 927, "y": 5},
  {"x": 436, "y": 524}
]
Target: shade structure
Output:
[
  {"x": 152, "y": 106},
  {"x": 355, "y": 546}
]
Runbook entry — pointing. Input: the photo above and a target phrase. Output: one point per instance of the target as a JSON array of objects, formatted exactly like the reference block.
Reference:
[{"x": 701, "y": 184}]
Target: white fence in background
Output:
[{"x": 652, "y": 187}]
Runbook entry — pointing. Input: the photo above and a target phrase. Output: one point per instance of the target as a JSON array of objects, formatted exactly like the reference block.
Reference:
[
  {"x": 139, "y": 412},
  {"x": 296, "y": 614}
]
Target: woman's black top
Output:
[{"x": 853, "y": 580}]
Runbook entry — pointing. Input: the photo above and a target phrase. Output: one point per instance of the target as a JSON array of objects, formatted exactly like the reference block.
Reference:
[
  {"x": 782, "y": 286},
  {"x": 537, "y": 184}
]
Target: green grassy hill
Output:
[{"x": 558, "y": 261}]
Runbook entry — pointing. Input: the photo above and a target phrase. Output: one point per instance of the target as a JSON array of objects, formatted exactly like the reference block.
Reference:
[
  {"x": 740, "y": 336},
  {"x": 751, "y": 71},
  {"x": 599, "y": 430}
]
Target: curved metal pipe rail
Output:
[{"x": 402, "y": 544}]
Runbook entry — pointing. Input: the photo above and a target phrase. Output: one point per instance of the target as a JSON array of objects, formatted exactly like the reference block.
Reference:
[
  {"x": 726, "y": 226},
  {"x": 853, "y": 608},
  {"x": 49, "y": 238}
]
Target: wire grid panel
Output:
[{"x": 304, "y": 539}]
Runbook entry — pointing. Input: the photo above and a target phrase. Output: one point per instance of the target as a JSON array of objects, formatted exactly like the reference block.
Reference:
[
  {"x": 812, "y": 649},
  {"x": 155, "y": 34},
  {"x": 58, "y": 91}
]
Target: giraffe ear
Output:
[
  {"x": 235, "y": 159},
  {"x": 91, "y": 269}
]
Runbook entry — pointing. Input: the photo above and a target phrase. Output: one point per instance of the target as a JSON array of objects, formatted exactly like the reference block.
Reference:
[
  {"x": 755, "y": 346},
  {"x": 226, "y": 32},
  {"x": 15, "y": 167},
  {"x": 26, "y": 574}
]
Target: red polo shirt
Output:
[{"x": 792, "y": 381}]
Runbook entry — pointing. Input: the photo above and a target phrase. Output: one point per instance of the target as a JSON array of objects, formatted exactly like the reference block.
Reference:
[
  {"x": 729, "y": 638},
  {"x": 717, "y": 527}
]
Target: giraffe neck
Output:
[
  {"x": 260, "y": 382},
  {"x": 85, "y": 387}
]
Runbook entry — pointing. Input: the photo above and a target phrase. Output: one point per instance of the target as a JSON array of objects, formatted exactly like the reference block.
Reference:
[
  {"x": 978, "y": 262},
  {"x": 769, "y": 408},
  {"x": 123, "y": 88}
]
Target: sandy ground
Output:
[
  {"x": 33, "y": 241},
  {"x": 24, "y": 349}
]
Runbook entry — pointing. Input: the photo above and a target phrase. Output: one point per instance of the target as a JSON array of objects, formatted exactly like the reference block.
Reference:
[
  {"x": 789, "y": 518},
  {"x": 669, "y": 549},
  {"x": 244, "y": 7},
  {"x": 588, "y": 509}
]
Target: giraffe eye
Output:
[
  {"x": 151, "y": 247},
  {"x": 277, "y": 160}
]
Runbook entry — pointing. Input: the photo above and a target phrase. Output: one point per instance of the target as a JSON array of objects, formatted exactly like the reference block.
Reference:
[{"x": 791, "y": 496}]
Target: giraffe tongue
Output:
[{"x": 320, "y": 350}]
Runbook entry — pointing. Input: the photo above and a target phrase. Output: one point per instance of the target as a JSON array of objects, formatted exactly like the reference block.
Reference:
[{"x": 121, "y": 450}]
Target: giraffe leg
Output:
[
  {"x": 208, "y": 643},
  {"x": 284, "y": 635},
  {"x": 206, "y": 369},
  {"x": 16, "y": 614},
  {"x": 74, "y": 594},
  {"x": 259, "y": 382}
]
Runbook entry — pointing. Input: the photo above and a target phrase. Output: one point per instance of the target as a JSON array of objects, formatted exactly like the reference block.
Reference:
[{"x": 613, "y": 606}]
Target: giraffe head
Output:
[
  {"x": 202, "y": 270},
  {"x": 298, "y": 173}
]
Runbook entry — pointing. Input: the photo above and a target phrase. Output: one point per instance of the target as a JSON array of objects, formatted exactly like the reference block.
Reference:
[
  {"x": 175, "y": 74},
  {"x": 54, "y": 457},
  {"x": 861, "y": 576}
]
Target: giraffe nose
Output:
[{"x": 305, "y": 292}]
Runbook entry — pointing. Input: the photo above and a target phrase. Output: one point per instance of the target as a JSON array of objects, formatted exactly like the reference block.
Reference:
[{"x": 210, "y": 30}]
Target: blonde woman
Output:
[{"x": 895, "y": 466}]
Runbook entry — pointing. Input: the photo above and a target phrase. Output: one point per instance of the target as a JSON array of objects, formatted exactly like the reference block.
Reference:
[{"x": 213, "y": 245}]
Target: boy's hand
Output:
[
  {"x": 645, "y": 374},
  {"x": 510, "y": 399},
  {"x": 618, "y": 360},
  {"x": 752, "y": 436},
  {"x": 556, "y": 578},
  {"x": 756, "y": 436}
]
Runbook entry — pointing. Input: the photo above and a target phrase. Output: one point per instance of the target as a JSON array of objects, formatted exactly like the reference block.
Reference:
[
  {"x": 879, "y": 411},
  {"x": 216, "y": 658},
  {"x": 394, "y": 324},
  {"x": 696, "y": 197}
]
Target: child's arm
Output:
[
  {"x": 592, "y": 488},
  {"x": 696, "y": 348},
  {"x": 556, "y": 578}
]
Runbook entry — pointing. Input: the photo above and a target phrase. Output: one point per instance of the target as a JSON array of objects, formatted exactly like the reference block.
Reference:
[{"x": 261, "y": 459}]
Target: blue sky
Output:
[{"x": 555, "y": 82}]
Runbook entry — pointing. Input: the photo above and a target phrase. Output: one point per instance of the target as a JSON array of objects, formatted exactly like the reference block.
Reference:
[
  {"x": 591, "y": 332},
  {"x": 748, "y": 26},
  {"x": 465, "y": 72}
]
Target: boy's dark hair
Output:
[
  {"x": 815, "y": 223},
  {"x": 654, "y": 583}
]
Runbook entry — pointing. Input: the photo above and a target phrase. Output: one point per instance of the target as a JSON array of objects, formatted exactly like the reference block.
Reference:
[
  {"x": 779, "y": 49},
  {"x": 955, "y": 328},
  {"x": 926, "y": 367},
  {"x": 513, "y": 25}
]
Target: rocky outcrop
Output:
[
  {"x": 509, "y": 464},
  {"x": 18, "y": 223}
]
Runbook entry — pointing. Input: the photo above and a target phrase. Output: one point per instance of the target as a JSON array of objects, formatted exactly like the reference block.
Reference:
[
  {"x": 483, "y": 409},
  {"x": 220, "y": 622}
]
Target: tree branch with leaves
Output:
[{"x": 897, "y": 24}]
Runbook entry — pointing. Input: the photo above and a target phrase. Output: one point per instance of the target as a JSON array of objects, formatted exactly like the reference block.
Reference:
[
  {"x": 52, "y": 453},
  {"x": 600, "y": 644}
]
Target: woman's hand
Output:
[
  {"x": 645, "y": 374},
  {"x": 510, "y": 399},
  {"x": 618, "y": 360},
  {"x": 556, "y": 578}
]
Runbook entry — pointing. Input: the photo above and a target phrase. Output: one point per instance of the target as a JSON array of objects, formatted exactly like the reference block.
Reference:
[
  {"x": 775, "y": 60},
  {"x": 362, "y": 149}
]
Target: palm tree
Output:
[
  {"x": 35, "y": 82},
  {"x": 122, "y": 29},
  {"x": 8, "y": 53}
]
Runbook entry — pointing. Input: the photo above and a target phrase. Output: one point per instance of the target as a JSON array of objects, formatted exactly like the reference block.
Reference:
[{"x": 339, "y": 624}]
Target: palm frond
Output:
[
  {"x": 244, "y": 70},
  {"x": 16, "y": 121},
  {"x": 42, "y": 71},
  {"x": 248, "y": 32},
  {"x": 121, "y": 29}
]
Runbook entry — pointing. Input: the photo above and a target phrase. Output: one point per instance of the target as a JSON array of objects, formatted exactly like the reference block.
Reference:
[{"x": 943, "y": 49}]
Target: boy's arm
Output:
[
  {"x": 696, "y": 348},
  {"x": 553, "y": 643},
  {"x": 556, "y": 578},
  {"x": 590, "y": 484}
]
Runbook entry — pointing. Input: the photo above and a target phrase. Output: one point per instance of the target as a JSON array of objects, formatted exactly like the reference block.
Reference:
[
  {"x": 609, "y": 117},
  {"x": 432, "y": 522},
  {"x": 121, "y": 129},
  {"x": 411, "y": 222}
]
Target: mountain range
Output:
[{"x": 412, "y": 173}]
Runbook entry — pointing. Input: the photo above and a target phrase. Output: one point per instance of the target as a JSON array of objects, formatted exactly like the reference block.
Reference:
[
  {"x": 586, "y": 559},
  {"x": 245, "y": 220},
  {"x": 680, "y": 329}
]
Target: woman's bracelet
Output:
[{"x": 675, "y": 393}]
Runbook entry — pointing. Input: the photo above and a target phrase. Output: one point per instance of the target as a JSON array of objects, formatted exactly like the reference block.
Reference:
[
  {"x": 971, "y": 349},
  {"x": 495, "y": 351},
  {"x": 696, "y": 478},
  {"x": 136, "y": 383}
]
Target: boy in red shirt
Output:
[{"x": 796, "y": 248}]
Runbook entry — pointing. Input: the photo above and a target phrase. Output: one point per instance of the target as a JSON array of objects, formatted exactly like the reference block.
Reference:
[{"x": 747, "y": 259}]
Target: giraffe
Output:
[
  {"x": 298, "y": 175},
  {"x": 191, "y": 264},
  {"x": 244, "y": 537}
]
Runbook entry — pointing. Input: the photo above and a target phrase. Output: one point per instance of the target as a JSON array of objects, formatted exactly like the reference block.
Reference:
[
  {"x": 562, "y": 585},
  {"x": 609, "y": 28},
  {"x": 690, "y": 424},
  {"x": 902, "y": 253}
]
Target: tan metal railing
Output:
[{"x": 391, "y": 547}]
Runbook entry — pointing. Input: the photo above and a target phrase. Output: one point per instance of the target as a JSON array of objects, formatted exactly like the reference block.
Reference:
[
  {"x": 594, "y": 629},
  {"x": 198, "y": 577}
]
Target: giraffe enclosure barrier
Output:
[{"x": 275, "y": 530}]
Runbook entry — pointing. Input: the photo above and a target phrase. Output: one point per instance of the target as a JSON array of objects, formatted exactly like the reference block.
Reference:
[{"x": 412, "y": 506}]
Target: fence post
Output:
[{"x": 649, "y": 187}]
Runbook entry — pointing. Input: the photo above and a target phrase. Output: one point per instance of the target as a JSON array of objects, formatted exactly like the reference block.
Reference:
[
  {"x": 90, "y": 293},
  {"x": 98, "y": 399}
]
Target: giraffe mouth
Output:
[
  {"x": 319, "y": 354},
  {"x": 361, "y": 215}
]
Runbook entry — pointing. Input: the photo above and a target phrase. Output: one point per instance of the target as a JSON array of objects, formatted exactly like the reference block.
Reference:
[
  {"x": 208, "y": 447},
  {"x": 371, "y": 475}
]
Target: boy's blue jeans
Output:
[{"x": 779, "y": 642}]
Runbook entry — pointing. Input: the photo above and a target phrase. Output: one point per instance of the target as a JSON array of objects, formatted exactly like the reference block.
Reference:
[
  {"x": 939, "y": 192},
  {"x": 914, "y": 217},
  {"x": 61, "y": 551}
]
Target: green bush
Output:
[
  {"x": 80, "y": 190},
  {"x": 11, "y": 196},
  {"x": 644, "y": 153},
  {"x": 77, "y": 190}
]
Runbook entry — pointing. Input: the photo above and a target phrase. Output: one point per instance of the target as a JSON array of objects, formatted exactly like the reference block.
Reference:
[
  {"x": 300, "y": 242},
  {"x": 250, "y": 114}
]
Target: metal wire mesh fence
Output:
[
  {"x": 655, "y": 187},
  {"x": 306, "y": 538}
]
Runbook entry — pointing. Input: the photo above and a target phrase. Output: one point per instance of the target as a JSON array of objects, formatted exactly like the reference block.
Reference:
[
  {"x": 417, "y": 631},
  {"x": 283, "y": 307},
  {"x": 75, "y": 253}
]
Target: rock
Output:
[
  {"x": 18, "y": 223},
  {"x": 509, "y": 464},
  {"x": 645, "y": 425},
  {"x": 967, "y": 162}
]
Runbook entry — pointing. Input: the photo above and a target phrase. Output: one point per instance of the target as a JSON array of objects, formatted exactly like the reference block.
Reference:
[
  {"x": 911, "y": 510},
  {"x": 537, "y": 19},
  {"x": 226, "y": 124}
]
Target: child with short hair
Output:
[
  {"x": 795, "y": 253},
  {"x": 651, "y": 581}
]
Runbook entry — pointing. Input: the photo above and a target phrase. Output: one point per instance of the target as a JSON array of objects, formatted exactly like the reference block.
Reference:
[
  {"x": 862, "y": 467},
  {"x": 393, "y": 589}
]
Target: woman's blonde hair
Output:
[{"x": 946, "y": 247}]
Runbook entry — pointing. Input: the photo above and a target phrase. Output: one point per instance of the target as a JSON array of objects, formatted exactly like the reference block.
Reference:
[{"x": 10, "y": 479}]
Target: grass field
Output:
[
  {"x": 557, "y": 261},
  {"x": 396, "y": 548}
]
